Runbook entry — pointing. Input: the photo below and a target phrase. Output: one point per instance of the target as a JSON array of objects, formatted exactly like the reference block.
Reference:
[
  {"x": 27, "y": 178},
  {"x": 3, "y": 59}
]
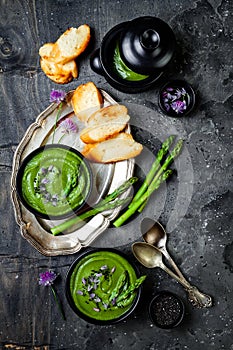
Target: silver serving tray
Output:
[{"x": 107, "y": 177}]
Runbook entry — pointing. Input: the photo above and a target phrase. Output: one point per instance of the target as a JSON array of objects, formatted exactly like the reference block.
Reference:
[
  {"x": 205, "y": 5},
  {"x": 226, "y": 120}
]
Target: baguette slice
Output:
[
  {"x": 86, "y": 100},
  {"x": 71, "y": 44},
  {"x": 107, "y": 114},
  {"x": 62, "y": 73},
  {"x": 109, "y": 121},
  {"x": 120, "y": 147},
  {"x": 45, "y": 51}
]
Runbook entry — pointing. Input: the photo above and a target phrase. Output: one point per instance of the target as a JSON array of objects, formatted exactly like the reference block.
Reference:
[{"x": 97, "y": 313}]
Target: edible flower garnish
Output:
[
  {"x": 46, "y": 279},
  {"x": 122, "y": 294},
  {"x": 57, "y": 96},
  {"x": 175, "y": 99},
  {"x": 68, "y": 127}
]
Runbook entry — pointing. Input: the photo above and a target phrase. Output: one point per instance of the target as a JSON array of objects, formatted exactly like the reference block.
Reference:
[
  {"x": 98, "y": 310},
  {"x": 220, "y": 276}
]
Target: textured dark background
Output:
[{"x": 202, "y": 243}]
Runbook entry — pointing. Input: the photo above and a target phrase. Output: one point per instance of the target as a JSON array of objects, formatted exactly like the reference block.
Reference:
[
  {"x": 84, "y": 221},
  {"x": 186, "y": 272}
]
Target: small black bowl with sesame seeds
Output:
[{"x": 166, "y": 310}]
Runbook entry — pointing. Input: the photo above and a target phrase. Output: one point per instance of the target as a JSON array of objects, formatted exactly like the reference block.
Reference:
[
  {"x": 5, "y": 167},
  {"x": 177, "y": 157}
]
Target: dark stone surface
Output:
[{"x": 196, "y": 205}]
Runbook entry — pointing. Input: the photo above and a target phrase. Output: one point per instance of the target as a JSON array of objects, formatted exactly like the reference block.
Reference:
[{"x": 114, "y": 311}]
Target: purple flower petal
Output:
[
  {"x": 104, "y": 267},
  {"x": 89, "y": 288},
  {"x": 79, "y": 292},
  {"x": 68, "y": 126},
  {"x": 113, "y": 269},
  {"x": 179, "y": 106},
  {"x": 45, "y": 180},
  {"x": 92, "y": 295},
  {"x": 96, "y": 309},
  {"x": 46, "y": 278},
  {"x": 83, "y": 281},
  {"x": 57, "y": 95},
  {"x": 97, "y": 300},
  {"x": 105, "y": 305},
  {"x": 98, "y": 275},
  {"x": 50, "y": 168}
]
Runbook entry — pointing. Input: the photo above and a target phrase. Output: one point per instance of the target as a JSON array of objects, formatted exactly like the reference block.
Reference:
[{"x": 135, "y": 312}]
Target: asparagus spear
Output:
[
  {"x": 154, "y": 168},
  {"x": 119, "y": 286},
  {"x": 106, "y": 204},
  {"x": 131, "y": 289},
  {"x": 158, "y": 179},
  {"x": 98, "y": 209},
  {"x": 130, "y": 211},
  {"x": 175, "y": 152}
]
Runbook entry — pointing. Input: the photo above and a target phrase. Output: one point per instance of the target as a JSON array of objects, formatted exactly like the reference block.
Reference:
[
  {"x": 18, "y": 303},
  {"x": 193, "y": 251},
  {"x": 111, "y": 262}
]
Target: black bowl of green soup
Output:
[
  {"x": 103, "y": 286},
  {"x": 54, "y": 181}
]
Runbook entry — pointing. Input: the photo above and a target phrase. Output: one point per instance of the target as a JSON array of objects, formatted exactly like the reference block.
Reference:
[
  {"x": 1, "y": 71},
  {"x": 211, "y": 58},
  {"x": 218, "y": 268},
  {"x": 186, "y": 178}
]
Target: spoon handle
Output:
[
  {"x": 172, "y": 262},
  {"x": 196, "y": 297},
  {"x": 173, "y": 275}
]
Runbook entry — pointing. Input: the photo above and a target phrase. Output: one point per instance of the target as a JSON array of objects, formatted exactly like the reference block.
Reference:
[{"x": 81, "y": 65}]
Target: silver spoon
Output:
[
  {"x": 150, "y": 256},
  {"x": 154, "y": 233}
]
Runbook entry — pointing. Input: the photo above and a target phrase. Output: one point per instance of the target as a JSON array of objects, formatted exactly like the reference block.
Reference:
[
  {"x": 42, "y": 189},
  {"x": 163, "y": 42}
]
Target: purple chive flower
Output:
[
  {"x": 79, "y": 292},
  {"x": 98, "y": 275},
  {"x": 68, "y": 126},
  {"x": 175, "y": 99},
  {"x": 84, "y": 281},
  {"x": 47, "y": 278},
  {"x": 179, "y": 106},
  {"x": 105, "y": 305},
  {"x": 43, "y": 171},
  {"x": 89, "y": 288},
  {"x": 50, "y": 168},
  {"x": 104, "y": 267},
  {"x": 45, "y": 180},
  {"x": 113, "y": 301},
  {"x": 57, "y": 96},
  {"x": 97, "y": 300},
  {"x": 92, "y": 295}
]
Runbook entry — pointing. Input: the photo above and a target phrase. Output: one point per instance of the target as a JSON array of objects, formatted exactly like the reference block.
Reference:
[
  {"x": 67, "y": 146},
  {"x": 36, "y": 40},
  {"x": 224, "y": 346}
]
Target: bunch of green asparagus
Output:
[{"x": 156, "y": 176}]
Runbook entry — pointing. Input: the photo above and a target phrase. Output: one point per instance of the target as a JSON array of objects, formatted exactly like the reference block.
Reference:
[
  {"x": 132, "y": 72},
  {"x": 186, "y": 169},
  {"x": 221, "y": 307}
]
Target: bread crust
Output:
[
  {"x": 118, "y": 148},
  {"x": 58, "y": 72},
  {"x": 58, "y": 59},
  {"x": 86, "y": 99},
  {"x": 71, "y": 44},
  {"x": 105, "y": 123}
]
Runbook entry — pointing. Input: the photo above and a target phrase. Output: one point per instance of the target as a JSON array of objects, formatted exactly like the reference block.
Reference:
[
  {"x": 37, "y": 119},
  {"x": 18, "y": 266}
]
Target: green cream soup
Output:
[
  {"x": 100, "y": 285},
  {"x": 55, "y": 181}
]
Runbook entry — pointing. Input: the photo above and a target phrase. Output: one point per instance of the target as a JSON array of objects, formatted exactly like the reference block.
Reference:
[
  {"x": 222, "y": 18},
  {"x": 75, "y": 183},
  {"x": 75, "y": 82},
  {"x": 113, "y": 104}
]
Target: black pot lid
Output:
[{"x": 146, "y": 44}]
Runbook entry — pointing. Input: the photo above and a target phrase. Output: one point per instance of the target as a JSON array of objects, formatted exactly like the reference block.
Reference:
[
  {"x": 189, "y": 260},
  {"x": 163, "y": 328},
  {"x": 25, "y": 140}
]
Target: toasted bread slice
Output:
[
  {"x": 86, "y": 100},
  {"x": 71, "y": 44},
  {"x": 120, "y": 147},
  {"x": 107, "y": 122},
  {"x": 107, "y": 114},
  {"x": 45, "y": 51},
  {"x": 54, "y": 69}
]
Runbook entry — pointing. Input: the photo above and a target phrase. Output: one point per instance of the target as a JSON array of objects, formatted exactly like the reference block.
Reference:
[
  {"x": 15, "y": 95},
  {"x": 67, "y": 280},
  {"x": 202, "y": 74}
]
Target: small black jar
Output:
[
  {"x": 166, "y": 310},
  {"x": 133, "y": 55}
]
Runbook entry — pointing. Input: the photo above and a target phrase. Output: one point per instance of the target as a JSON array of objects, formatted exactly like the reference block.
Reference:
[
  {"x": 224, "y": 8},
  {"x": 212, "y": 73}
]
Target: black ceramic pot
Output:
[{"x": 146, "y": 46}]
